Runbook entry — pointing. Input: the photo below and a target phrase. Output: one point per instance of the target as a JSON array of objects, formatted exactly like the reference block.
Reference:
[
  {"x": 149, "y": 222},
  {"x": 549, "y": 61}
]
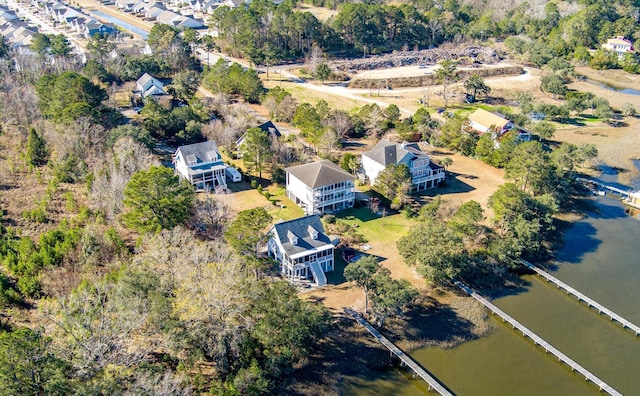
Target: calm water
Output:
[
  {"x": 116, "y": 21},
  {"x": 610, "y": 87},
  {"x": 600, "y": 258}
]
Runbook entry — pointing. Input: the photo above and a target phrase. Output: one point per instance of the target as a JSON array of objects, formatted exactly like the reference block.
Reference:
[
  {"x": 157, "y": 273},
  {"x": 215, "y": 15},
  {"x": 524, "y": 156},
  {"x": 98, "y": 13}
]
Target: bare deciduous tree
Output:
[
  {"x": 209, "y": 218},
  {"x": 114, "y": 172},
  {"x": 341, "y": 123}
]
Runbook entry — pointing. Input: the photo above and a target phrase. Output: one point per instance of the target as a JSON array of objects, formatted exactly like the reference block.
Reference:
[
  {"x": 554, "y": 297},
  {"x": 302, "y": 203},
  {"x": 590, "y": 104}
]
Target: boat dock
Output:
[
  {"x": 404, "y": 358},
  {"x": 539, "y": 341},
  {"x": 607, "y": 188},
  {"x": 581, "y": 297}
]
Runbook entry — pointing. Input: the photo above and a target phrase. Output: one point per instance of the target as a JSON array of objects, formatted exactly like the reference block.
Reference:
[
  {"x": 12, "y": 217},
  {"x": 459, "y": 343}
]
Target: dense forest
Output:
[
  {"x": 266, "y": 33},
  {"x": 117, "y": 278}
]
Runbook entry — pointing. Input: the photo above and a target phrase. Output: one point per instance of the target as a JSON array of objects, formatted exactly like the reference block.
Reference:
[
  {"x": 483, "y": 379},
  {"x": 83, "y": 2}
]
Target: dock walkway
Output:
[
  {"x": 433, "y": 383},
  {"x": 606, "y": 187},
  {"x": 539, "y": 341},
  {"x": 581, "y": 297}
]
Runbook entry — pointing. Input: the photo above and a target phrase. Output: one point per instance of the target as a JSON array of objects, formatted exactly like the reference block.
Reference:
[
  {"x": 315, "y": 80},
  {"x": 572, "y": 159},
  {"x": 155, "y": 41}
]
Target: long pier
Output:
[
  {"x": 419, "y": 371},
  {"x": 539, "y": 341},
  {"x": 605, "y": 187},
  {"x": 581, "y": 297}
]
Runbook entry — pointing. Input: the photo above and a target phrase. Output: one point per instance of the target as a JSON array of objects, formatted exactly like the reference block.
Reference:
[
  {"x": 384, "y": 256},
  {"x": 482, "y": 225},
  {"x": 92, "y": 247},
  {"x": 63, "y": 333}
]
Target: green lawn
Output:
[
  {"x": 290, "y": 210},
  {"x": 376, "y": 228}
]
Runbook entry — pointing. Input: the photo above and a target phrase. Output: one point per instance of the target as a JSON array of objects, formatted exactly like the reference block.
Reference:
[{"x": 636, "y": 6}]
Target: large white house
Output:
[
  {"x": 302, "y": 248},
  {"x": 620, "y": 45},
  {"x": 424, "y": 173},
  {"x": 320, "y": 187},
  {"x": 201, "y": 164}
]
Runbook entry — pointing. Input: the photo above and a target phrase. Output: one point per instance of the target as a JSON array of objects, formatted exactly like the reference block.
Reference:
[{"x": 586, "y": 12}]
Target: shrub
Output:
[
  {"x": 330, "y": 219},
  {"x": 277, "y": 175},
  {"x": 37, "y": 215},
  {"x": 267, "y": 195},
  {"x": 254, "y": 183},
  {"x": 260, "y": 188},
  {"x": 409, "y": 212}
]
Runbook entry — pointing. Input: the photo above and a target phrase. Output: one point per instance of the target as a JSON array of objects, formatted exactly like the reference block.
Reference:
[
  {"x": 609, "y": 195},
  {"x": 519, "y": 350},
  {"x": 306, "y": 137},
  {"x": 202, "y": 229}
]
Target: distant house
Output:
[
  {"x": 125, "y": 5},
  {"x": 483, "y": 121},
  {"x": 320, "y": 187},
  {"x": 148, "y": 86},
  {"x": 92, "y": 27},
  {"x": 302, "y": 249},
  {"x": 619, "y": 45},
  {"x": 424, "y": 173},
  {"x": 201, "y": 165},
  {"x": 268, "y": 128},
  {"x": 233, "y": 3}
]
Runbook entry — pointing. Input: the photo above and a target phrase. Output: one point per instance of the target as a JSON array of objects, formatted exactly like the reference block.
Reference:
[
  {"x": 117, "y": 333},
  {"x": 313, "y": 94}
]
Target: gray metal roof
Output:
[
  {"x": 203, "y": 152},
  {"x": 301, "y": 228},
  {"x": 318, "y": 174}
]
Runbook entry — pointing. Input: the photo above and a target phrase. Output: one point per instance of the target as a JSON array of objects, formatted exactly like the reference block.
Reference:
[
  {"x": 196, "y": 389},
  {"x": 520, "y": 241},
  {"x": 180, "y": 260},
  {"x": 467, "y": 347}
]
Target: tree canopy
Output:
[
  {"x": 157, "y": 199},
  {"x": 68, "y": 96},
  {"x": 256, "y": 150}
]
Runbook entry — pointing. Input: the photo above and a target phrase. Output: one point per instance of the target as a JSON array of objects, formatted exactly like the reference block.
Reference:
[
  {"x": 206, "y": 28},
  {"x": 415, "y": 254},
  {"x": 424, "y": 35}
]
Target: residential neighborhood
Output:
[{"x": 231, "y": 197}]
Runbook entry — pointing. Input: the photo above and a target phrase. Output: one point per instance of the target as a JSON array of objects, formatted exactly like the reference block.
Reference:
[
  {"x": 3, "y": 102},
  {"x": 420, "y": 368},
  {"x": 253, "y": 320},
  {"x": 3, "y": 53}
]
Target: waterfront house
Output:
[
  {"x": 620, "y": 45},
  {"x": 320, "y": 187},
  {"x": 125, "y": 5},
  {"x": 92, "y": 26},
  {"x": 201, "y": 165},
  {"x": 424, "y": 173},
  {"x": 302, "y": 249}
]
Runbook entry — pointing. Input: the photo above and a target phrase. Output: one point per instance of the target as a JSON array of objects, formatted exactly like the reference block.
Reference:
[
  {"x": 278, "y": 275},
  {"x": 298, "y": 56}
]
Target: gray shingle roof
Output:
[
  {"x": 318, "y": 174},
  {"x": 268, "y": 127},
  {"x": 201, "y": 152},
  {"x": 387, "y": 153},
  {"x": 301, "y": 228}
]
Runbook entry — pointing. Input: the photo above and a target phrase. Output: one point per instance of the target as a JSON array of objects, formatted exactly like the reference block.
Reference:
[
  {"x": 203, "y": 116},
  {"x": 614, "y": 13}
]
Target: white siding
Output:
[{"x": 371, "y": 168}]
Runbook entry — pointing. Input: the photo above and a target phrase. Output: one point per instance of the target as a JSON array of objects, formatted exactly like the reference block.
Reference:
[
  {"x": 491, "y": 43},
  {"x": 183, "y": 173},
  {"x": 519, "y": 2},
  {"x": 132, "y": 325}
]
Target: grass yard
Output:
[
  {"x": 382, "y": 233},
  {"x": 284, "y": 208},
  {"x": 375, "y": 227},
  {"x": 321, "y": 13}
]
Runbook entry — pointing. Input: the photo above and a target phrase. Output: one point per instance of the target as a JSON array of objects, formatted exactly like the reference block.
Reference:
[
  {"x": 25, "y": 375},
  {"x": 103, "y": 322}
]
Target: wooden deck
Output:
[
  {"x": 419, "y": 371},
  {"x": 539, "y": 341},
  {"x": 581, "y": 297}
]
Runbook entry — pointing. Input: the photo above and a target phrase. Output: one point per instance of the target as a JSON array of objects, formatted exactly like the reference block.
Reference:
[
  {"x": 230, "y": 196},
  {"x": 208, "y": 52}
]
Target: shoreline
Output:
[{"x": 411, "y": 332}]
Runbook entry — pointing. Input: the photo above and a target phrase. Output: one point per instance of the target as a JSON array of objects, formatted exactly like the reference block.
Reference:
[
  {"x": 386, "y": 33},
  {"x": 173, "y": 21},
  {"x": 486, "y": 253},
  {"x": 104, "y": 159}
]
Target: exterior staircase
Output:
[{"x": 318, "y": 273}]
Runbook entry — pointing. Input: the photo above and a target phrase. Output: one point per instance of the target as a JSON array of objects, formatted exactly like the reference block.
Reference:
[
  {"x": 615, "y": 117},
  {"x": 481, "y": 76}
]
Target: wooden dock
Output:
[
  {"x": 542, "y": 343},
  {"x": 404, "y": 358},
  {"x": 607, "y": 188},
  {"x": 581, "y": 297}
]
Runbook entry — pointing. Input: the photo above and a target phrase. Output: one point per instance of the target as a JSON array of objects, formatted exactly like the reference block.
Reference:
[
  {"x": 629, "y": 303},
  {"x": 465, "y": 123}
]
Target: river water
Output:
[
  {"x": 601, "y": 259},
  {"x": 119, "y": 22}
]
